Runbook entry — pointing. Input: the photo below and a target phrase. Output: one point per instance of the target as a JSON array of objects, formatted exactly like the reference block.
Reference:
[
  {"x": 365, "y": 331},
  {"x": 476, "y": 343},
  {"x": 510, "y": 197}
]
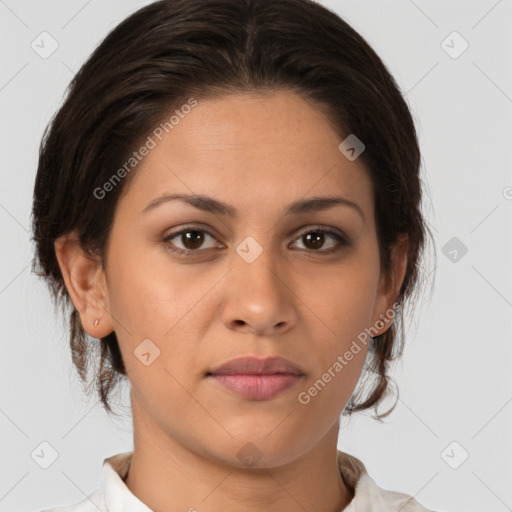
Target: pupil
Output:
[
  {"x": 196, "y": 239},
  {"x": 317, "y": 239}
]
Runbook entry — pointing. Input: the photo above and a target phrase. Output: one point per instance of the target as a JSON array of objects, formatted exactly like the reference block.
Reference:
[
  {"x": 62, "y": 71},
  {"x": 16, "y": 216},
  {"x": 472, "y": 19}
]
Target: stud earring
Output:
[{"x": 96, "y": 322}]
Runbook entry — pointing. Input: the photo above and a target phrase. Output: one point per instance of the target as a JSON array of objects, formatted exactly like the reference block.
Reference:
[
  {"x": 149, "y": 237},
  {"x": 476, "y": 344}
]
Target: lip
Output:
[
  {"x": 257, "y": 379},
  {"x": 256, "y": 366}
]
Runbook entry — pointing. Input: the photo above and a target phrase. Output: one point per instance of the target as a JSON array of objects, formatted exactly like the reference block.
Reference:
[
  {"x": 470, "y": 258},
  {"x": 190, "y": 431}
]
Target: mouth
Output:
[{"x": 257, "y": 379}]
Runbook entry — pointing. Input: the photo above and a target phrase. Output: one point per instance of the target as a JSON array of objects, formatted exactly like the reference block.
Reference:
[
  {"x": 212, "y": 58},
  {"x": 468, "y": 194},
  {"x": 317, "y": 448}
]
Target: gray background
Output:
[{"x": 455, "y": 379}]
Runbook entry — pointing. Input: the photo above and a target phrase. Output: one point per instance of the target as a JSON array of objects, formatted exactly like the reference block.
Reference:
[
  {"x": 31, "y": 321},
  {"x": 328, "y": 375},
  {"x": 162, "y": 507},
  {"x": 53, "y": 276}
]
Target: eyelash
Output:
[{"x": 342, "y": 240}]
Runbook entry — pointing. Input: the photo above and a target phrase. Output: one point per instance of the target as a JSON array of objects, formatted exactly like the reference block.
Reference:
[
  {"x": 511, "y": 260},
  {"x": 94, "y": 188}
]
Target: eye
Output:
[
  {"x": 315, "y": 239},
  {"x": 192, "y": 238}
]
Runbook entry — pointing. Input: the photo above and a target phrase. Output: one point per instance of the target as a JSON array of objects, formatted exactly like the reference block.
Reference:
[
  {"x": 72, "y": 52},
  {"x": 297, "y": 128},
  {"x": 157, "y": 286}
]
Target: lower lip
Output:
[{"x": 258, "y": 387}]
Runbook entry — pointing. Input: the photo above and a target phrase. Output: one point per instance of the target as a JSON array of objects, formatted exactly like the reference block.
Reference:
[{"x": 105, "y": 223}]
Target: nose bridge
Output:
[
  {"x": 258, "y": 295},
  {"x": 257, "y": 262}
]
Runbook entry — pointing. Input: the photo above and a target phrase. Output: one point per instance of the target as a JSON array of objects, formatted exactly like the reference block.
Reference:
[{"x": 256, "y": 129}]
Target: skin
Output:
[{"x": 258, "y": 153}]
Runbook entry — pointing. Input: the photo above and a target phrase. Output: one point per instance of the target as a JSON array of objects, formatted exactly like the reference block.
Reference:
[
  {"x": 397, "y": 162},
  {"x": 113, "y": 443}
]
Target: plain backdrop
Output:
[{"x": 448, "y": 442}]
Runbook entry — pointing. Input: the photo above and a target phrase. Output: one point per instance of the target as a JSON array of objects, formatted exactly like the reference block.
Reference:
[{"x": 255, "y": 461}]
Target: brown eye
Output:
[
  {"x": 314, "y": 240},
  {"x": 190, "y": 239}
]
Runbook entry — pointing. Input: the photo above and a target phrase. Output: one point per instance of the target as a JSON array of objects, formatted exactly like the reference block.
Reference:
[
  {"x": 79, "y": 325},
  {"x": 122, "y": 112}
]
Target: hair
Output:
[{"x": 173, "y": 50}]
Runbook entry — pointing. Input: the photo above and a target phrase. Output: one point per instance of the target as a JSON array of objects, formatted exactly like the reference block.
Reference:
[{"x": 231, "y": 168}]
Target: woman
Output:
[{"x": 229, "y": 203}]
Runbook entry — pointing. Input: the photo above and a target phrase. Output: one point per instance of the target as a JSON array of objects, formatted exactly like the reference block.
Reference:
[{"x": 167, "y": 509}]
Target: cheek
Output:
[
  {"x": 144, "y": 296},
  {"x": 344, "y": 303},
  {"x": 148, "y": 301},
  {"x": 340, "y": 352},
  {"x": 344, "y": 298}
]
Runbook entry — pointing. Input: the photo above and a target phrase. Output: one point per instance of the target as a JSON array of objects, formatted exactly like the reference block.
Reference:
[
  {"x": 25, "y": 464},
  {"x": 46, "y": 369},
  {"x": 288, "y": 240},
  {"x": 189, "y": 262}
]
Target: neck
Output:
[{"x": 169, "y": 476}]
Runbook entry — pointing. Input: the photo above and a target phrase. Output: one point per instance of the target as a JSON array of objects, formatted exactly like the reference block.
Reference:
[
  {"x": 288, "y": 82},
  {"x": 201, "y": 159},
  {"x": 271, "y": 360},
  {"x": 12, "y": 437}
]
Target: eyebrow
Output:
[{"x": 211, "y": 205}]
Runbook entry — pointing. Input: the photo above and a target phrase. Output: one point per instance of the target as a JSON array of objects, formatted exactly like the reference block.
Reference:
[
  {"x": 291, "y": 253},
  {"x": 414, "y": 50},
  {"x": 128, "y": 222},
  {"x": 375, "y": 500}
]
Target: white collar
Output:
[{"x": 118, "y": 498}]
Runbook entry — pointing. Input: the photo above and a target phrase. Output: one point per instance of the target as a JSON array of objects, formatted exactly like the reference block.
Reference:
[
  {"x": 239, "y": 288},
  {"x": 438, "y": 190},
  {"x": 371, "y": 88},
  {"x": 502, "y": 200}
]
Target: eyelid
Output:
[{"x": 321, "y": 227}]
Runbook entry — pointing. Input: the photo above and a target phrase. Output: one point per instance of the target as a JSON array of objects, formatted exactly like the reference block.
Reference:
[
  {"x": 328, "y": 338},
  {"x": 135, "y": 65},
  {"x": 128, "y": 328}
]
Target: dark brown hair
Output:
[{"x": 172, "y": 50}]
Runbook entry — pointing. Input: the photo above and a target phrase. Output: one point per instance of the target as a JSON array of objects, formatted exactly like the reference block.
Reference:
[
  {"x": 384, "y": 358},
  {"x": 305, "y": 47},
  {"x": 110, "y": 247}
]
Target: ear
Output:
[
  {"x": 86, "y": 284},
  {"x": 389, "y": 286}
]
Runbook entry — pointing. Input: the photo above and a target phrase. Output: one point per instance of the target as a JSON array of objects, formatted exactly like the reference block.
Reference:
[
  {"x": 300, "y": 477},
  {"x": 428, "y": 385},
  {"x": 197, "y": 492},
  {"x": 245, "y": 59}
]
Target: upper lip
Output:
[{"x": 257, "y": 366}]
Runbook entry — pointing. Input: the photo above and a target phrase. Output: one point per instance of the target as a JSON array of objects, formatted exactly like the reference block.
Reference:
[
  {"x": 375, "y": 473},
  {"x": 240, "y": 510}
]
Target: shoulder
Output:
[
  {"x": 95, "y": 502},
  {"x": 368, "y": 496},
  {"x": 113, "y": 491},
  {"x": 371, "y": 495}
]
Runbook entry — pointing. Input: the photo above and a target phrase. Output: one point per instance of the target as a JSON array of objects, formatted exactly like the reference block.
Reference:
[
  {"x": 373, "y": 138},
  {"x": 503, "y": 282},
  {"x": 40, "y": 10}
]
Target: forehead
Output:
[{"x": 253, "y": 150}]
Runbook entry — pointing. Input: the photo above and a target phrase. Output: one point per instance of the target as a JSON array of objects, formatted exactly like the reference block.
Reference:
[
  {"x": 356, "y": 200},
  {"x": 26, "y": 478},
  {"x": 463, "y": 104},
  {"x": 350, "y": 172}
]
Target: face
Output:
[{"x": 188, "y": 288}]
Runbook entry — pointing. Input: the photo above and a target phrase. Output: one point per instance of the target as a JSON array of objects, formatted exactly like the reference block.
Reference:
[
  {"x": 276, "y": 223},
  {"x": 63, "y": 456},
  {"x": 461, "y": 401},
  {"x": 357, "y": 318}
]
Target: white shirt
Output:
[{"x": 114, "y": 495}]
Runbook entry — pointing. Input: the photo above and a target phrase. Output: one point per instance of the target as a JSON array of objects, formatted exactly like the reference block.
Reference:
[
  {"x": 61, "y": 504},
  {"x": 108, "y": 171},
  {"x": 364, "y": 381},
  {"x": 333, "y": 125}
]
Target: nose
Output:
[{"x": 259, "y": 296}]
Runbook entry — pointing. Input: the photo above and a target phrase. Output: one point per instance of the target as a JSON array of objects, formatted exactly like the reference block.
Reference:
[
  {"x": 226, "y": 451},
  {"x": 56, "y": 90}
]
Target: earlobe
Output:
[{"x": 84, "y": 279}]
